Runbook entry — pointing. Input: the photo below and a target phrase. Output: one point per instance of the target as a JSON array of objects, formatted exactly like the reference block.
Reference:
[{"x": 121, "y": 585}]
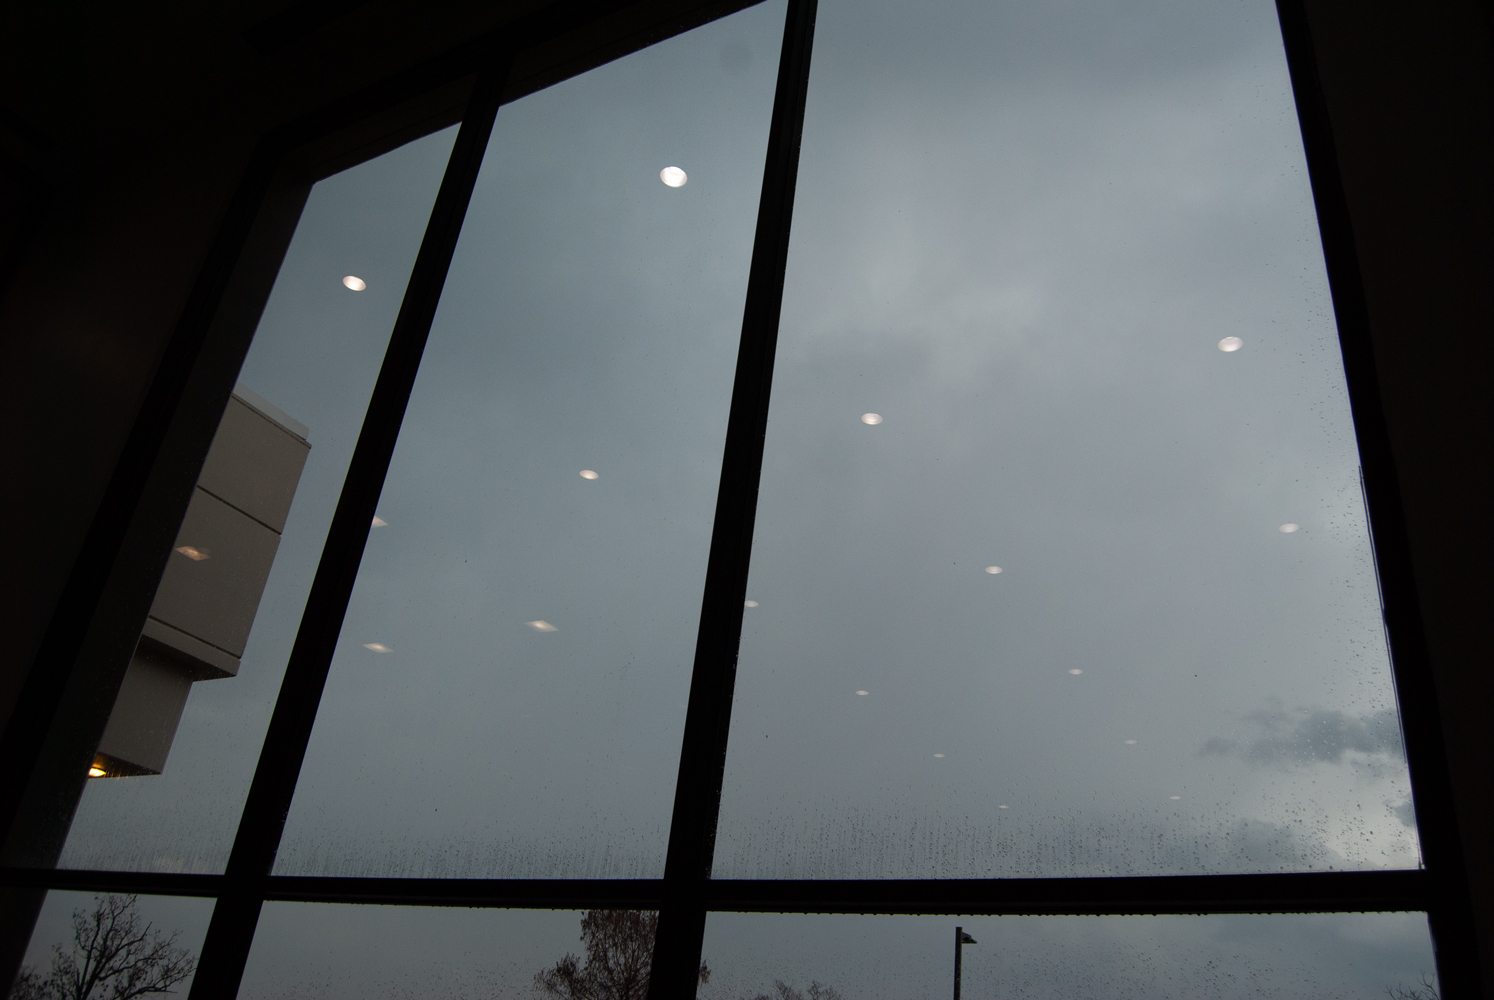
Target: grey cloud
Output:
[{"x": 1301, "y": 736}]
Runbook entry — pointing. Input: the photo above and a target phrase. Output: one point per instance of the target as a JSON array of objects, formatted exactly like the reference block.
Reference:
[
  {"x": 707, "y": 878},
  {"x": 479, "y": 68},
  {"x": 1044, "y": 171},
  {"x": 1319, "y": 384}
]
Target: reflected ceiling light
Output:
[
  {"x": 194, "y": 554},
  {"x": 1002, "y": 807},
  {"x": 1130, "y": 743},
  {"x": 354, "y": 282},
  {"x": 377, "y": 647},
  {"x": 1076, "y": 671},
  {"x": 1175, "y": 797},
  {"x": 749, "y": 604},
  {"x": 938, "y": 755},
  {"x": 673, "y": 177},
  {"x": 871, "y": 418},
  {"x": 993, "y": 570},
  {"x": 542, "y": 626},
  {"x": 1229, "y": 344},
  {"x": 588, "y": 474},
  {"x": 379, "y": 522},
  {"x": 1285, "y": 529},
  {"x": 96, "y": 772},
  {"x": 863, "y": 692}
]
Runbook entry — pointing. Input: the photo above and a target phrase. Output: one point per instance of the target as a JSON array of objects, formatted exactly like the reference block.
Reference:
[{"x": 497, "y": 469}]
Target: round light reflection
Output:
[
  {"x": 871, "y": 418},
  {"x": 863, "y": 693},
  {"x": 993, "y": 570},
  {"x": 1229, "y": 344},
  {"x": 588, "y": 474},
  {"x": 1175, "y": 798},
  {"x": 673, "y": 177},
  {"x": 354, "y": 282},
  {"x": 1076, "y": 671},
  {"x": 1130, "y": 743},
  {"x": 749, "y": 604},
  {"x": 1288, "y": 528},
  {"x": 938, "y": 755}
]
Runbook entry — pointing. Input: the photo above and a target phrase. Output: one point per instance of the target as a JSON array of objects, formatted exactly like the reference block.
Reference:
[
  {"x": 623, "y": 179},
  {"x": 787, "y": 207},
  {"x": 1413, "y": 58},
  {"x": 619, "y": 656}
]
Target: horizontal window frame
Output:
[{"x": 1393, "y": 890}]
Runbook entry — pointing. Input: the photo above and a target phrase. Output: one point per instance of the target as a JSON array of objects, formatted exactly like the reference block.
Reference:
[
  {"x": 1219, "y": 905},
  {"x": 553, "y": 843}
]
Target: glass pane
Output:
[
  {"x": 149, "y": 942},
  {"x": 181, "y": 746},
  {"x": 331, "y": 952},
  {"x": 1061, "y": 563},
  {"x": 509, "y": 691},
  {"x": 1222, "y": 957}
]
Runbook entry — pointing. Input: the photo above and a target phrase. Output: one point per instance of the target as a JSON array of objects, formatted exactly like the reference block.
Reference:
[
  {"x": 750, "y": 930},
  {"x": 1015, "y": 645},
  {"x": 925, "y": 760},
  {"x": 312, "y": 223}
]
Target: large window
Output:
[{"x": 845, "y": 479}]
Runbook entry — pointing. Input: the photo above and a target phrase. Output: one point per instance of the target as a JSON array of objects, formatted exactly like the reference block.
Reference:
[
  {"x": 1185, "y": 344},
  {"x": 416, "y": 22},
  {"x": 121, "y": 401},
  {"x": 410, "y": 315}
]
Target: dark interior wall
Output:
[
  {"x": 126, "y": 134},
  {"x": 1408, "y": 88},
  {"x": 86, "y": 316}
]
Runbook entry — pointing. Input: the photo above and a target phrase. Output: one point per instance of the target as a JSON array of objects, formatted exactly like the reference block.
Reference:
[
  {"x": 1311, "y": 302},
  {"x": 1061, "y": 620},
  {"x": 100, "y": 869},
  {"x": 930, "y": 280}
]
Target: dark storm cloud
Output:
[{"x": 1290, "y": 737}]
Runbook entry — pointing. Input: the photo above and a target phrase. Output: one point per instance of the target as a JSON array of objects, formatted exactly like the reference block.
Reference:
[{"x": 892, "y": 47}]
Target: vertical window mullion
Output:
[
  {"x": 231, "y": 931},
  {"x": 697, "y": 801}
]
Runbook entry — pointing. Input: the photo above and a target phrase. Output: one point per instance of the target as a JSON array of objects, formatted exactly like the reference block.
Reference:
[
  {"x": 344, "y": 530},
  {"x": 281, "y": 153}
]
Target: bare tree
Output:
[
  {"x": 816, "y": 991},
  {"x": 28, "y": 985},
  {"x": 619, "y": 956},
  {"x": 1425, "y": 989},
  {"x": 116, "y": 955}
]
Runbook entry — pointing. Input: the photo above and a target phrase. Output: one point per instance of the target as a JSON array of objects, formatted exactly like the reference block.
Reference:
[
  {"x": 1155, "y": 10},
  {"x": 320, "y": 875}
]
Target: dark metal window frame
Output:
[{"x": 686, "y": 893}]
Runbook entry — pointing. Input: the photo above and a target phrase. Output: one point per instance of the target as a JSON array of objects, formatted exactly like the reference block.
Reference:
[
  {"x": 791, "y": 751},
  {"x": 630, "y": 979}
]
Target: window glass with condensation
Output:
[
  {"x": 508, "y": 694},
  {"x": 173, "y": 769},
  {"x": 1227, "y": 957},
  {"x": 1061, "y": 564},
  {"x": 332, "y": 951}
]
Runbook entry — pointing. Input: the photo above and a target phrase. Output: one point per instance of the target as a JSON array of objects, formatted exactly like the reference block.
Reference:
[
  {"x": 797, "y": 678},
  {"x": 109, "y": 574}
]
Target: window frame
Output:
[{"x": 197, "y": 373}]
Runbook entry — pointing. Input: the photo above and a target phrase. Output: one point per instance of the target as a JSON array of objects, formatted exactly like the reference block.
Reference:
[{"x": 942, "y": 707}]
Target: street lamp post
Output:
[{"x": 961, "y": 939}]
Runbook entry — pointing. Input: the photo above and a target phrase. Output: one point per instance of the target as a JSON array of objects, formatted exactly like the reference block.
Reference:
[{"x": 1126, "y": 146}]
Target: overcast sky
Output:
[{"x": 1020, "y": 234}]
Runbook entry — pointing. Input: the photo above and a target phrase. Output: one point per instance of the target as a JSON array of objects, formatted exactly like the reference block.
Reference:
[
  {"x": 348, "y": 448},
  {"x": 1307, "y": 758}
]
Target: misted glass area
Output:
[
  {"x": 798, "y": 957},
  {"x": 332, "y": 952},
  {"x": 509, "y": 691},
  {"x": 1061, "y": 563},
  {"x": 185, "y": 734}
]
